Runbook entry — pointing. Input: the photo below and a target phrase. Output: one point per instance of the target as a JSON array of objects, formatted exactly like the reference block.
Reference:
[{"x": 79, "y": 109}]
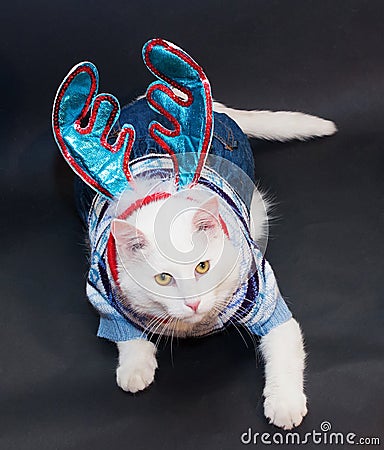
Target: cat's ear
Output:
[
  {"x": 127, "y": 236},
  {"x": 206, "y": 218}
]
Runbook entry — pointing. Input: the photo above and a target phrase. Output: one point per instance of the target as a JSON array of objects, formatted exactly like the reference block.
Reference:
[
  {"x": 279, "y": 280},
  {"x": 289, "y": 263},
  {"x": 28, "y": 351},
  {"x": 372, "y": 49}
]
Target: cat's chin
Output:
[
  {"x": 196, "y": 318},
  {"x": 200, "y": 318}
]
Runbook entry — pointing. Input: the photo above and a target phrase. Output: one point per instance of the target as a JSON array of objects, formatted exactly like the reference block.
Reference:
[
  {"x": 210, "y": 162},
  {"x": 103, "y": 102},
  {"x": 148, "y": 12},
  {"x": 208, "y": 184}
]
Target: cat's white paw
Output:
[
  {"x": 137, "y": 365},
  {"x": 134, "y": 378},
  {"x": 285, "y": 409}
]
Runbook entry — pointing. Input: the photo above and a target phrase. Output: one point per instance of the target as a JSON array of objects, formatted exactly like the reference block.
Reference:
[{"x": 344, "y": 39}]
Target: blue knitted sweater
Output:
[{"x": 257, "y": 303}]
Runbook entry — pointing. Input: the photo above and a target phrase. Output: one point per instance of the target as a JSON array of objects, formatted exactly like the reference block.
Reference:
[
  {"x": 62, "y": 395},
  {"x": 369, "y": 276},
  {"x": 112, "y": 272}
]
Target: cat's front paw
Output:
[
  {"x": 285, "y": 409},
  {"x": 137, "y": 365}
]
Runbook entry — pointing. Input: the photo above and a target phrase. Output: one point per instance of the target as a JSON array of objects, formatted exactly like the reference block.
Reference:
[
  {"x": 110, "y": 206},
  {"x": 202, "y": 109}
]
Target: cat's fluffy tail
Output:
[{"x": 279, "y": 125}]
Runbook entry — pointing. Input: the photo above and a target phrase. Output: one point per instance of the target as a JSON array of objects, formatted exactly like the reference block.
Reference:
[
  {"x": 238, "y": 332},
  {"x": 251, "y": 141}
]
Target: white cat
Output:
[
  {"x": 184, "y": 297},
  {"x": 177, "y": 230}
]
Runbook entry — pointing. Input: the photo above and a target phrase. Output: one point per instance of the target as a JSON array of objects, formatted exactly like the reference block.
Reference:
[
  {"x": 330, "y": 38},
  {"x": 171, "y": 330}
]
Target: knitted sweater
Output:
[{"x": 256, "y": 304}]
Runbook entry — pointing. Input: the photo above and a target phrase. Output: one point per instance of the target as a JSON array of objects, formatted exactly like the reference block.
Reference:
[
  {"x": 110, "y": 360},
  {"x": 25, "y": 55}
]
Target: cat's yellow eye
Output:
[
  {"x": 163, "y": 279},
  {"x": 202, "y": 267}
]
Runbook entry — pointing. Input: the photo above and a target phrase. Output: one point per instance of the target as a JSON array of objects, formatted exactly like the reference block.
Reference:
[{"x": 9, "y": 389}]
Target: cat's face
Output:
[{"x": 175, "y": 260}]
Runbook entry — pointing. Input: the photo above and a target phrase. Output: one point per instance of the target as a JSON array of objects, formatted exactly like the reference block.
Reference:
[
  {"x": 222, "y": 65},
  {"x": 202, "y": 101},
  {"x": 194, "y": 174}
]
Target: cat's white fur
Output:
[
  {"x": 282, "y": 348},
  {"x": 137, "y": 365},
  {"x": 137, "y": 269},
  {"x": 278, "y": 125}
]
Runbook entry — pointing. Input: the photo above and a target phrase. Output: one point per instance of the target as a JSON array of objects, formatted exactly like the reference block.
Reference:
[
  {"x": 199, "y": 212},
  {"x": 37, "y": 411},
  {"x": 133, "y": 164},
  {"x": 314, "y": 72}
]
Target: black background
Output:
[{"x": 325, "y": 57}]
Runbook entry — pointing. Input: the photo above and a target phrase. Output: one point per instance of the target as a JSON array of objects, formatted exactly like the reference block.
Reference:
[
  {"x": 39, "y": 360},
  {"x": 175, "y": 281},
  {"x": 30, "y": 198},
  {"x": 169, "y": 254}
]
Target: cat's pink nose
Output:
[{"x": 193, "y": 305}]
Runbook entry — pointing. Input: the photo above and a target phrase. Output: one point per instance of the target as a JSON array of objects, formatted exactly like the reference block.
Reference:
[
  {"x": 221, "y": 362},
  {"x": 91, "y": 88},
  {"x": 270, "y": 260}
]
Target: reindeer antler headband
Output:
[{"x": 105, "y": 166}]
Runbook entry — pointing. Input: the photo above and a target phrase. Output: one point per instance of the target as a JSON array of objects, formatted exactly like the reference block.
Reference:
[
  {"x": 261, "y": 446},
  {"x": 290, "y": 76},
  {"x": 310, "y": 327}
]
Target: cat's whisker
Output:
[
  {"x": 173, "y": 332},
  {"x": 171, "y": 329},
  {"x": 148, "y": 327},
  {"x": 232, "y": 320},
  {"x": 160, "y": 328},
  {"x": 240, "y": 333},
  {"x": 156, "y": 323},
  {"x": 153, "y": 321},
  {"x": 238, "y": 330},
  {"x": 165, "y": 332},
  {"x": 236, "y": 317},
  {"x": 162, "y": 331},
  {"x": 157, "y": 330}
]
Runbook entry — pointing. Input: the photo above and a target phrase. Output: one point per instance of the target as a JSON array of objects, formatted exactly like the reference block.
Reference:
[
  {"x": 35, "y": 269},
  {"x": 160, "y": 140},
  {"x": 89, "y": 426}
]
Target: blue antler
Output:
[
  {"x": 191, "y": 117},
  {"x": 100, "y": 164}
]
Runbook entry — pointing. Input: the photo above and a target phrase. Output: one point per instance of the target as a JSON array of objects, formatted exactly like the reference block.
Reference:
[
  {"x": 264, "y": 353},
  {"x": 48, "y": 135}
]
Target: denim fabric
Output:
[{"x": 229, "y": 142}]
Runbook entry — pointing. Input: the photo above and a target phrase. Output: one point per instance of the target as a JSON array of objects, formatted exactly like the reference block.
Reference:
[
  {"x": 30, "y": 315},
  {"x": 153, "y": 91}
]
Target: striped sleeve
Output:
[
  {"x": 270, "y": 308},
  {"x": 113, "y": 326}
]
